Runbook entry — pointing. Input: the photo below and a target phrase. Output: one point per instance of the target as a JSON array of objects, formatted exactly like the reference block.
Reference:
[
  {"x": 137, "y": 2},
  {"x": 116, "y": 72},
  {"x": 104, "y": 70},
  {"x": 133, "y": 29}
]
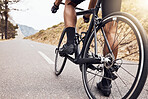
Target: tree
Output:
[
  {"x": 11, "y": 30},
  {"x": 1, "y": 17},
  {"x": 4, "y": 9}
]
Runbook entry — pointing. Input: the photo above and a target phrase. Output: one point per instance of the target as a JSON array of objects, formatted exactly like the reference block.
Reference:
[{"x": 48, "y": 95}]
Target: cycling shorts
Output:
[
  {"x": 108, "y": 6},
  {"x": 77, "y": 1}
]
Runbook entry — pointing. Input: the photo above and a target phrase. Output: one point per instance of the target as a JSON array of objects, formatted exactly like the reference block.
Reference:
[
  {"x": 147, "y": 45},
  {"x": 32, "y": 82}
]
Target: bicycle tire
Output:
[
  {"x": 60, "y": 66},
  {"x": 137, "y": 82}
]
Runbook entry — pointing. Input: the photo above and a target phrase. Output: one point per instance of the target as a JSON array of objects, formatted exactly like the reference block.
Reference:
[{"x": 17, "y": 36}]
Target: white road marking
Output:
[{"x": 46, "y": 58}]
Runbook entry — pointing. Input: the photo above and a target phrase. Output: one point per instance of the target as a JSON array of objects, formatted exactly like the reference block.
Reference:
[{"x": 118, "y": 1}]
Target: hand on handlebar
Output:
[{"x": 54, "y": 8}]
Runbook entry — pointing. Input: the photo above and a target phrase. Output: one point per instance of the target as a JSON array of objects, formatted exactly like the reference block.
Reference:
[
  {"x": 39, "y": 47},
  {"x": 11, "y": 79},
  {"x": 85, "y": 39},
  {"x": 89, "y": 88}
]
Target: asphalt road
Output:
[{"x": 27, "y": 72}]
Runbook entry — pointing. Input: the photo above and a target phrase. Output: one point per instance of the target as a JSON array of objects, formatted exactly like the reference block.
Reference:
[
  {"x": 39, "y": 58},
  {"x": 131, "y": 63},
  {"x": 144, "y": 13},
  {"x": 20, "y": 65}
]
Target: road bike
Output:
[{"x": 129, "y": 66}]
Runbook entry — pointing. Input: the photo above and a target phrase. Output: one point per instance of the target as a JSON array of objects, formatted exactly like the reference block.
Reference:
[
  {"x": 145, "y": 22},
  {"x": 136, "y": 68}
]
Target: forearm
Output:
[{"x": 58, "y": 2}]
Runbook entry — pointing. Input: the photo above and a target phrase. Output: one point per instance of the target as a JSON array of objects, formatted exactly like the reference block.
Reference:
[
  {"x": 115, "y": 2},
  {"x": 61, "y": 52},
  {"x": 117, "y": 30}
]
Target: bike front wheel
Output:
[
  {"x": 130, "y": 43},
  {"x": 60, "y": 61}
]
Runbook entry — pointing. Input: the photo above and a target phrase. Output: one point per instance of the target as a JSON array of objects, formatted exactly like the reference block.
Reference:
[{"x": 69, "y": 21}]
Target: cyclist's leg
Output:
[
  {"x": 69, "y": 13},
  {"x": 70, "y": 23},
  {"x": 110, "y": 30},
  {"x": 109, "y": 6}
]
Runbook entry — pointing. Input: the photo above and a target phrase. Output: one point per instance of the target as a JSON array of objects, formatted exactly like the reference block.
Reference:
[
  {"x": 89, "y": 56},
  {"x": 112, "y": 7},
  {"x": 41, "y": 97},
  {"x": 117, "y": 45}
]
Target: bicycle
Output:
[{"x": 130, "y": 66}]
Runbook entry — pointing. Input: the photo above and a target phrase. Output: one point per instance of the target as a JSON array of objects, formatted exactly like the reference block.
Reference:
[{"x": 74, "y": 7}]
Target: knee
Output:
[
  {"x": 69, "y": 3},
  {"x": 69, "y": 8}
]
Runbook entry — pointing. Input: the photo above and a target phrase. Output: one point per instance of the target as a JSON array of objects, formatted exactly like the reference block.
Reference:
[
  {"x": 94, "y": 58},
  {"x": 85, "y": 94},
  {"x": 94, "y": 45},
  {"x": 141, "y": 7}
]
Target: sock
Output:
[
  {"x": 106, "y": 82},
  {"x": 70, "y": 35}
]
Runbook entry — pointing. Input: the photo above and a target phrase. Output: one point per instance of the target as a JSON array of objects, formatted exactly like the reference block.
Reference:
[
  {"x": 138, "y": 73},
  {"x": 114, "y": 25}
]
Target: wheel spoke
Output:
[
  {"x": 115, "y": 38},
  {"x": 126, "y": 46},
  {"x": 127, "y": 43},
  {"x": 129, "y": 55},
  {"x": 129, "y": 64},
  {"x": 92, "y": 77},
  {"x": 118, "y": 33},
  {"x": 121, "y": 79},
  {"x": 99, "y": 75},
  {"x": 121, "y": 41},
  {"x": 118, "y": 89},
  {"x": 128, "y": 72},
  {"x": 93, "y": 80}
]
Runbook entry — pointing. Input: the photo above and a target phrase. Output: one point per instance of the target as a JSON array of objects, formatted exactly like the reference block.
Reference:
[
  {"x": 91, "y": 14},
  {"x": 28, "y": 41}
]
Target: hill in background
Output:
[
  {"x": 26, "y": 30},
  {"x": 52, "y": 34}
]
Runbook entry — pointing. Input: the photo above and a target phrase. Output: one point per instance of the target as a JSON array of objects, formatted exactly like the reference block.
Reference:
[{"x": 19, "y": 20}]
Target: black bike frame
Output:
[
  {"x": 78, "y": 59},
  {"x": 92, "y": 25}
]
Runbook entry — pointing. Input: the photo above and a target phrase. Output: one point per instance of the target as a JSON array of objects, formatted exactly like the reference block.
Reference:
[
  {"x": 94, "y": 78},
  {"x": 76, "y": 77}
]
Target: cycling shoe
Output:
[
  {"x": 105, "y": 90},
  {"x": 67, "y": 49}
]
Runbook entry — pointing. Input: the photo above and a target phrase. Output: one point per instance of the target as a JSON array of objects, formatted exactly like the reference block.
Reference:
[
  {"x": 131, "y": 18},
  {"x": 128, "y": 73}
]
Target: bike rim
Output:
[{"x": 137, "y": 75}]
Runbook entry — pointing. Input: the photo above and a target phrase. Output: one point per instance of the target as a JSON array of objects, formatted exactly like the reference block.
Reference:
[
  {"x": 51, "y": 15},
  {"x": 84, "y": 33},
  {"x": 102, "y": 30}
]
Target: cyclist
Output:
[{"x": 108, "y": 6}]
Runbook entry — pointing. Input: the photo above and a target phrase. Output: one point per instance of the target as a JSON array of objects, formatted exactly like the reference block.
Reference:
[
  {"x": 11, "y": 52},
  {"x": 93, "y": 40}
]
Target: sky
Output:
[{"x": 37, "y": 13}]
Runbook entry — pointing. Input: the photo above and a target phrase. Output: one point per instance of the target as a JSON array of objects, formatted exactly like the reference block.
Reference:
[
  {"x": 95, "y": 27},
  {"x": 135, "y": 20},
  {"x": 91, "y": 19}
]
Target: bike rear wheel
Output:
[
  {"x": 131, "y": 59},
  {"x": 60, "y": 61}
]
